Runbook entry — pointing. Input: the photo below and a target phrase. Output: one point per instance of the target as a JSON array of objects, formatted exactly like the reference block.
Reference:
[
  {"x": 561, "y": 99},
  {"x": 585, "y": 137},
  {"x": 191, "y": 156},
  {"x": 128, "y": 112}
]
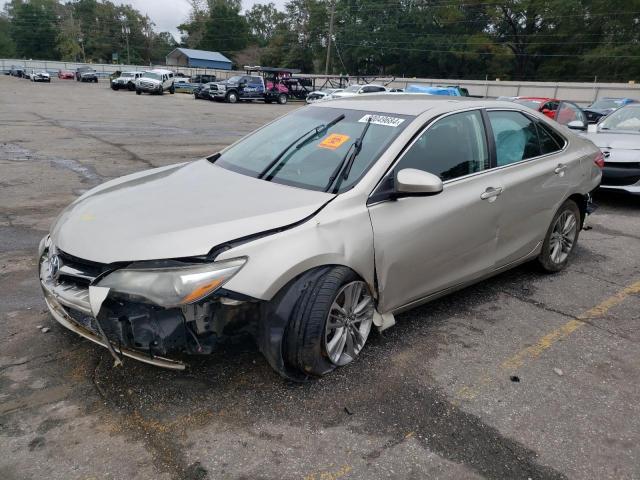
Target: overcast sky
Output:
[{"x": 168, "y": 14}]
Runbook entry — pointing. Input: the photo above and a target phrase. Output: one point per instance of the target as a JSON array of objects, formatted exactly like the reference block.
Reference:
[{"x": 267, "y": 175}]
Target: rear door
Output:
[
  {"x": 535, "y": 173},
  {"x": 427, "y": 244}
]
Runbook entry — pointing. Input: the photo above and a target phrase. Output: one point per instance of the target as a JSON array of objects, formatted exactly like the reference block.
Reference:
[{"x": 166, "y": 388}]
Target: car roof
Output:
[
  {"x": 409, "y": 103},
  {"x": 544, "y": 99},
  {"x": 158, "y": 70}
]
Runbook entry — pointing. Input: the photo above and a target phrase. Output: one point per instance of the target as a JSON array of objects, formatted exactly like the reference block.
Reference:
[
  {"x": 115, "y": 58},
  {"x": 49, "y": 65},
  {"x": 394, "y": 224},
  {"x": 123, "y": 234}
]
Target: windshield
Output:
[
  {"x": 626, "y": 118},
  {"x": 311, "y": 165},
  {"x": 606, "y": 104},
  {"x": 126, "y": 75},
  {"x": 535, "y": 104},
  {"x": 352, "y": 88},
  {"x": 153, "y": 76},
  {"x": 235, "y": 79}
]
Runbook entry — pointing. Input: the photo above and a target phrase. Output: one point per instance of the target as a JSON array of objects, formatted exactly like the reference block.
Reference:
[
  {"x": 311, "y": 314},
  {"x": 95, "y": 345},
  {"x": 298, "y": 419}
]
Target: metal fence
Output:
[{"x": 582, "y": 93}]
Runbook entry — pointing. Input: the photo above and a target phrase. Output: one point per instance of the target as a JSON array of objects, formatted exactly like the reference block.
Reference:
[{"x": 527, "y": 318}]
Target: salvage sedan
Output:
[{"x": 316, "y": 229}]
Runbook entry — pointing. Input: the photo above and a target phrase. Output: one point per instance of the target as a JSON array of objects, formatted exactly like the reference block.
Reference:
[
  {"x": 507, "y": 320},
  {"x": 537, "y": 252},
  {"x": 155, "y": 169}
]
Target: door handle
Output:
[
  {"x": 560, "y": 169},
  {"x": 491, "y": 192}
]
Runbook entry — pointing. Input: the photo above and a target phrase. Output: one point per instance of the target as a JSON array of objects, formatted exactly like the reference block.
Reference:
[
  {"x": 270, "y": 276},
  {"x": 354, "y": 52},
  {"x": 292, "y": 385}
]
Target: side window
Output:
[
  {"x": 550, "y": 141},
  {"x": 568, "y": 112},
  {"x": 515, "y": 135},
  {"x": 452, "y": 147},
  {"x": 255, "y": 81}
]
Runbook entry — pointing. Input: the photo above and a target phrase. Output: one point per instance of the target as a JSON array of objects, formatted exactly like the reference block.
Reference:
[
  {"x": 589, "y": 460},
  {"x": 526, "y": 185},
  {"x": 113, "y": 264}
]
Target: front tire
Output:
[
  {"x": 138, "y": 91},
  {"x": 232, "y": 97},
  {"x": 283, "y": 99},
  {"x": 172, "y": 90},
  {"x": 329, "y": 324},
  {"x": 561, "y": 239}
]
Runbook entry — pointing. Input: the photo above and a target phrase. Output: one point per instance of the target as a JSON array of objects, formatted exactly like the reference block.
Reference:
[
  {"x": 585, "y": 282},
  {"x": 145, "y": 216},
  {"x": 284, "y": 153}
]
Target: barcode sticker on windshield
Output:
[{"x": 382, "y": 120}]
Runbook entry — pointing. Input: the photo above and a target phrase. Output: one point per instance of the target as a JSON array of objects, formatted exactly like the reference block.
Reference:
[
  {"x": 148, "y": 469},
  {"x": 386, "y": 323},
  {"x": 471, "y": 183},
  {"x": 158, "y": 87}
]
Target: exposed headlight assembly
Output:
[{"x": 175, "y": 285}]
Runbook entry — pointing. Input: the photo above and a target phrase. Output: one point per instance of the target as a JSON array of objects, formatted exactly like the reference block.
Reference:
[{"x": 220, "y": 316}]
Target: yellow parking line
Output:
[{"x": 516, "y": 361}]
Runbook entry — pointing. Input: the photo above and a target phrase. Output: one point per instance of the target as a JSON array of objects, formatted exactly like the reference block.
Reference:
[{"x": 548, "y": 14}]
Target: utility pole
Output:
[
  {"x": 126, "y": 31},
  {"x": 333, "y": 10}
]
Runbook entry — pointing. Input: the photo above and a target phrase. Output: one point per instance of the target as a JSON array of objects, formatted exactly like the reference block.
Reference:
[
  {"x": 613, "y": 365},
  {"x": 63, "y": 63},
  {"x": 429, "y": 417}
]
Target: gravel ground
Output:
[{"x": 522, "y": 376}]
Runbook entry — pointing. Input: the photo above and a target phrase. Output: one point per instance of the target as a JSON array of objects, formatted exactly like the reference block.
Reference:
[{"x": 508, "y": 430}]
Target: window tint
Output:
[
  {"x": 550, "y": 141},
  {"x": 515, "y": 135},
  {"x": 450, "y": 148}
]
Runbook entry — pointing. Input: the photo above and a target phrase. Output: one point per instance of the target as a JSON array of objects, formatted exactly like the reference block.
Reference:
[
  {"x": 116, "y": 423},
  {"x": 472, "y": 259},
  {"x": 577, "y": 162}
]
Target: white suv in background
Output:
[
  {"x": 126, "y": 80},
  {"x": 155, "y": 81}
]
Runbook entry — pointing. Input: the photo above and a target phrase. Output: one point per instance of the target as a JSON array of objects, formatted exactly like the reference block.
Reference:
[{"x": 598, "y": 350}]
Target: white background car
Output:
[
  {"x": 39, "y": 76},
  {"x": 126, "y": 80},
  {"x": 354, "y": 90},
  {"x": 155, "y": 81}
]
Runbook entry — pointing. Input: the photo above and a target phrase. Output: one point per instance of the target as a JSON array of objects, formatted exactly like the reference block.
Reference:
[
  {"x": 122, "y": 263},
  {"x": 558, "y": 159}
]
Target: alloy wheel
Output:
[
  {"x": 563, "y": 237},
  {"x": 348, "y": 323}
]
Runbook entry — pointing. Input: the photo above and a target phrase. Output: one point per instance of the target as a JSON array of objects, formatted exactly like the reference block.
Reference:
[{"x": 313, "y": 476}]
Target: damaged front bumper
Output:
[
  {"x": 64, "y": 298},
  {"x": 130, "y": 328}
]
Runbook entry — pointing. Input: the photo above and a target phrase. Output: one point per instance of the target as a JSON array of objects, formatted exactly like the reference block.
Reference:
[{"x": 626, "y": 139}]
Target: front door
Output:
[{"x": 427, "y": 244}]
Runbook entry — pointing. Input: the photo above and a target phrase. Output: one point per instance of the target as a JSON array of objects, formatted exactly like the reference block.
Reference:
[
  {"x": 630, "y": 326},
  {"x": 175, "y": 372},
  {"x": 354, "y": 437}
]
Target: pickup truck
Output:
[
  {"x": 245, "y": 87},
  {"x": 86, "y": 74}
]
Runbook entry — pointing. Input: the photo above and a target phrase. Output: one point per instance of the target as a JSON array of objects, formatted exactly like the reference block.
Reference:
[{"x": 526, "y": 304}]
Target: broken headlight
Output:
[{"x": 174, "y": 285}]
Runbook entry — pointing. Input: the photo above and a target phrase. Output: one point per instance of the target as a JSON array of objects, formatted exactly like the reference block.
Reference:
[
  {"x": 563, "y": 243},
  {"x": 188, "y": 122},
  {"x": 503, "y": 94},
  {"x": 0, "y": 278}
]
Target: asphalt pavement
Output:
[{"x": 523, "y": 376}]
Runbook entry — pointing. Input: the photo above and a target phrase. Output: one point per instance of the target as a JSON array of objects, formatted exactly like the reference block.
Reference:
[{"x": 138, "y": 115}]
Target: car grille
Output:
[
  {"x": 70, "y": 283},
  {"x": 148, "y": 85},
  {"x": 620, "y": 174}
]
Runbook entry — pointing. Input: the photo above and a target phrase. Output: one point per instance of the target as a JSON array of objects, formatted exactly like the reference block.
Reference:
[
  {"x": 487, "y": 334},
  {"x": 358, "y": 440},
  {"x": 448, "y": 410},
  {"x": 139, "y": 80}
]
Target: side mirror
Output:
[
  {"x": 577, "y": 125},
  {"x": 413, "y": 182},
  {"x": 546, "y": 111}
]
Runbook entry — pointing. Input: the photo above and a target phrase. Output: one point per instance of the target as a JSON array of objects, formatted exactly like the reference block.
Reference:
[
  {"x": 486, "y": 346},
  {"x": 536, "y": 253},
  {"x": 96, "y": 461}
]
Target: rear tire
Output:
[
  {"x": 329, "y": 324},
  {"x": 561, "y": 239},
  {"x": 131, "y": 87}
]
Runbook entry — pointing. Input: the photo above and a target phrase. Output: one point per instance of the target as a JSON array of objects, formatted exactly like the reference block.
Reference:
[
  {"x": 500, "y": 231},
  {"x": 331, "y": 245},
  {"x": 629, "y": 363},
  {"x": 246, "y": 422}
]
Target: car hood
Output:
[
  {"x": 615, "y": 141},
  {"x": 343, "y": 94},
  {"x": 601, "y": 111},
  {"x": 178, "y": 211}
]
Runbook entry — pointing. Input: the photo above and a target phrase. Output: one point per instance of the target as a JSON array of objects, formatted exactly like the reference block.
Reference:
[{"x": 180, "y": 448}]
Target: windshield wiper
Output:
[
  {"x": 347, "y": 161},
  {"x": 303, "y": 139}
]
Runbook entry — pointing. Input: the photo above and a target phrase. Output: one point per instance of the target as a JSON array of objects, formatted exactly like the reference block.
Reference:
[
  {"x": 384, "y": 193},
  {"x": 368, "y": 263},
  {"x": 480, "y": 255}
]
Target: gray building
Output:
[{"x": 186, "y": 57}]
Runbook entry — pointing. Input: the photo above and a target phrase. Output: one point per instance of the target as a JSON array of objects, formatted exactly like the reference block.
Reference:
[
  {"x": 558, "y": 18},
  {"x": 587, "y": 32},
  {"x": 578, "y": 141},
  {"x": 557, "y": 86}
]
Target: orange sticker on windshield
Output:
[{"x": 333, "y": 141}]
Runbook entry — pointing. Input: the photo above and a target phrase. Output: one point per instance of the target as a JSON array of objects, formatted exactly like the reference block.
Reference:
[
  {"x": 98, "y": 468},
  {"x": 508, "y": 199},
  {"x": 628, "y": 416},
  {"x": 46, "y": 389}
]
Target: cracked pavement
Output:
[{"x": 430, "y": 398}]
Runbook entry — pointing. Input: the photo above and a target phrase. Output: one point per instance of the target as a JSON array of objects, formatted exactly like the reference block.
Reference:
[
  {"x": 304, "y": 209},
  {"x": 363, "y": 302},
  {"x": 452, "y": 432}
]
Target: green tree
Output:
[
  {"x": 7, "y": 46},
  {"x": 263, "y": 21},
  {"x": 34, "y": 27}
]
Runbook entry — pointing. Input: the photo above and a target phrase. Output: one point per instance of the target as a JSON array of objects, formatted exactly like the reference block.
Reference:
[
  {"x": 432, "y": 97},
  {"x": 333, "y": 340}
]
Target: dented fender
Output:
[{"x": 340, "y": 234}]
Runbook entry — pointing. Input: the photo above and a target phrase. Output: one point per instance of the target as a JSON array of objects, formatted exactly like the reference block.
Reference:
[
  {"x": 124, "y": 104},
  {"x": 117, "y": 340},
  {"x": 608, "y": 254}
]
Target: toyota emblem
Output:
[{"x": 54, "y": 266}]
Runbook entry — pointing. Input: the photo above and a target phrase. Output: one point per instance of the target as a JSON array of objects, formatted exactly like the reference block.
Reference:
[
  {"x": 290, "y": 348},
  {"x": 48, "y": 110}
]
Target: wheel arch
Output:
[{"x": 582, "y": 202}]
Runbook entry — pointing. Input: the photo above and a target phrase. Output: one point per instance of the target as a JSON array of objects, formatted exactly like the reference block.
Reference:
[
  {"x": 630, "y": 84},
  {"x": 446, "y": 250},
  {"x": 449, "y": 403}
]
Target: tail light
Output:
[{"x": 599, "y": 160}]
